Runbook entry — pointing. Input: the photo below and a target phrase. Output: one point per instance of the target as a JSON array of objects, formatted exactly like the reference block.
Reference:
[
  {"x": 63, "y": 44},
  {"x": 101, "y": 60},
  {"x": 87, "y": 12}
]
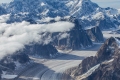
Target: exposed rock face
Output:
[
  {"x": 46, "y": 51},
  {"x": 23, "y": 9},
  {"x": 75, "y": 39},
  {"x": 21, "y": 57},
  {"x": 2, "y": 11},
  {"x": 8, "y": 63},
  {"x": 31, "y": 21},
  {"x": 102, "y": 23},
  {"x": 107, "y": 71},
  {"x": 95, "y": 34},
  {"x": 108, "y": 60}
]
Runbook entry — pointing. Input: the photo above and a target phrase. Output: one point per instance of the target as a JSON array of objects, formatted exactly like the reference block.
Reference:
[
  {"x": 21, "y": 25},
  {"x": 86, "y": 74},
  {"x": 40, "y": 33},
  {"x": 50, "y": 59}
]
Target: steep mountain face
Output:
[
  {"x": 100, "y": 20},
  {"x": 107, "y": 71},
  {"x": 2, "y": 11},
  {"x": 95, "y": 34},
  {"x": 79, "y": 8},
  {"x": 74, "y": 39},
  {"x": 103, "y": 66},
  {"x": 40, "y": 7},
  {"x": 90, "y": 14},
  {"x": 46, "y": 51},
  {"x": 30, "y": 9},
  {"x": 10, "y": 62}
]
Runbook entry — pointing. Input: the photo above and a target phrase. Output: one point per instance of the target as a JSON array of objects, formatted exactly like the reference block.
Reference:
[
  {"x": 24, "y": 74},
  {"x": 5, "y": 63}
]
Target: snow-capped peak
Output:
[{"x": 81, "y": 7}]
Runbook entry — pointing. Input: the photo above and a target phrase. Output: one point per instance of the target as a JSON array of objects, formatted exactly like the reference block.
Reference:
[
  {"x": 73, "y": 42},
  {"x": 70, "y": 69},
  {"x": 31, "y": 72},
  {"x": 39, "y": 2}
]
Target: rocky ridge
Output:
[
  {"x": 74, "y": 39},
  {"x": 95, "y": 34},
  {"x": 103, "y": 66}
]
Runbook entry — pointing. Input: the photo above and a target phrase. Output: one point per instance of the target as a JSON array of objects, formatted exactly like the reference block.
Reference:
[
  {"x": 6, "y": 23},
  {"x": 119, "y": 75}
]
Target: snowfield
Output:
[
  {"x": 53, "y": 69},
  {"x": 107, "y": 34}
]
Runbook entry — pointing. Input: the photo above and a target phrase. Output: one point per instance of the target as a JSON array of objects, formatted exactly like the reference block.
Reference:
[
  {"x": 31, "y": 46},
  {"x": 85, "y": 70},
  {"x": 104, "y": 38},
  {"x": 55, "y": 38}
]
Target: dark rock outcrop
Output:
[
  {"x": 95, "y": 34},
  {"x": 75, "y": 39},
  {"x": 46, "y": 51},
  {"x": 7, "y": 63},
  {"x": 2, "y": 11},
  {"x": 108, "y": 69},
  {"x": 21, "y": 57},
  {"x": 31, "y": 21}
]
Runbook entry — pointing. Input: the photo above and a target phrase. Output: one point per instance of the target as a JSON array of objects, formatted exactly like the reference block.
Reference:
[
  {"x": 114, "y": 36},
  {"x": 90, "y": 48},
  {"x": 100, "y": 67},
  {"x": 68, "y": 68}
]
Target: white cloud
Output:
[
  {"x": 58, "y": 27},
  {"x": 4, "y": 18},
  {"x": 13, "y": 37},
  {"x": 48, "y": 19},
  {"x": 62, "y": 36}
]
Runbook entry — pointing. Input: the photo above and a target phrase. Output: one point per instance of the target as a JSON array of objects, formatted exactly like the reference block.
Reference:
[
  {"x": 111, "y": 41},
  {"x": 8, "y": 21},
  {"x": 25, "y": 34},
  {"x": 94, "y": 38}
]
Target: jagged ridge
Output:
[{"x": 103, "y": 62}]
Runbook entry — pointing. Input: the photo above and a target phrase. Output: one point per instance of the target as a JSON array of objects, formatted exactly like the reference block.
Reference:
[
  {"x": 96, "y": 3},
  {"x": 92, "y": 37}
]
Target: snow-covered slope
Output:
[
  {"x": 89, "y": 13},
  {"x": 36, "y": 9},
  {"x": 80, "y": 8}
]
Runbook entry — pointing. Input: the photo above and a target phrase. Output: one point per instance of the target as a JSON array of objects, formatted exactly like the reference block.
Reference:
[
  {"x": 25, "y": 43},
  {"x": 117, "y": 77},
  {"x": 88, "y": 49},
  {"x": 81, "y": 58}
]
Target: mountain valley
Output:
[{"x": 59, "y": 40}]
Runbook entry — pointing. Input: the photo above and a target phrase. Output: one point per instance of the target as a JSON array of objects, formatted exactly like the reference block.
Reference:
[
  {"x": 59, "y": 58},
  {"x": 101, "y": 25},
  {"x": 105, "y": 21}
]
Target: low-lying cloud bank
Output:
[{"x": 13, "y": 37}]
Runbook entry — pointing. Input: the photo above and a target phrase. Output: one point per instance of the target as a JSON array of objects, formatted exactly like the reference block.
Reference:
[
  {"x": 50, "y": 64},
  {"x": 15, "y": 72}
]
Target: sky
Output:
[
  {"x": 101, "y": 3},
  {"x": 108, "y": 3}
]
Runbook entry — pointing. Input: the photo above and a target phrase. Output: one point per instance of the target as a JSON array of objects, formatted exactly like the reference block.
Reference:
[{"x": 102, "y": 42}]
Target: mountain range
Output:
[
  {"x": 88, "y": 19},
  {"x": 89, "y": 13}
]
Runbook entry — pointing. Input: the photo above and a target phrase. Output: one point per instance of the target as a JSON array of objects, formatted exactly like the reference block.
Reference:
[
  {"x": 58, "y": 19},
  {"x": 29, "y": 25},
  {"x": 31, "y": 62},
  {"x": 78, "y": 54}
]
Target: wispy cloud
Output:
[{"x": 13, "y": 37}]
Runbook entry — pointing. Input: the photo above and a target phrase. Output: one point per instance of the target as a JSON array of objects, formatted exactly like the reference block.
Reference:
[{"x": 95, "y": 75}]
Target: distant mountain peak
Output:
[
  {"x": 85, "y": 10},
  {"x": 81, "y": 7}
]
